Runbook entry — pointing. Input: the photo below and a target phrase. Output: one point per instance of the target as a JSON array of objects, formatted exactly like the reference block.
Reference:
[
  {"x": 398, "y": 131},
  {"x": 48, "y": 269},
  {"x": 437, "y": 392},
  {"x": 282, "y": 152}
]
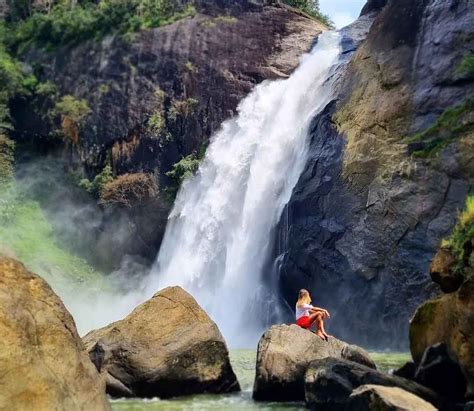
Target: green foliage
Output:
[
  {"x": 182, "y": 108},
  {"x": 95, "y": 186},
  {"x": 156, "y": 123},
  {"x": 451, "y": 124},
  {"x": 74, "y": 109},
  {"x": 104, "y": 88},
  {"x": 466, "y": 68},
  {"x": 189, "y": 66},
  {"x": 66, "y": 25},
  {"x": 46, "y": 89},
  {"x": 462, "y": 234},
  {"x": 311, "y": 7},
  {"x": 13, "y": 81},
  {"x": 183, "y": 170}
]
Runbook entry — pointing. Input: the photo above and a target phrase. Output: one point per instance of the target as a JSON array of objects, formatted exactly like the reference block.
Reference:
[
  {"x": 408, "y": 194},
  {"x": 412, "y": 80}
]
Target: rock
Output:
[
  {"x": 407, "y": 370},
  {"x": 42, "y": 359},
  {"x": 329, "y": 383},
  {"x": 167, "y": 346},
  {"x": 380, "y": 398},
  {"x": 438, "y": 371},
  {"x": 284, "y": 353},
  {"x": 355, "y": 228},
  {"x": 447, "y": 319},
  {"x": 442, "y": 273}
]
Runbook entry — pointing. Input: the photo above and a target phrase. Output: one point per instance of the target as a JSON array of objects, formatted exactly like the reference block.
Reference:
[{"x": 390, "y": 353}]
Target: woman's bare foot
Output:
[
  {"x": 321, "y": 335},
  {"x": 326, "y": 335}
]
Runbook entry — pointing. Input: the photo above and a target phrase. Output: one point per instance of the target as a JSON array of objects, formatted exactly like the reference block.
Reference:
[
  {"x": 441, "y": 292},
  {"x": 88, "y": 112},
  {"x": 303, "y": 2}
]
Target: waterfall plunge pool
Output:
[{"x": 243, "y": 362}]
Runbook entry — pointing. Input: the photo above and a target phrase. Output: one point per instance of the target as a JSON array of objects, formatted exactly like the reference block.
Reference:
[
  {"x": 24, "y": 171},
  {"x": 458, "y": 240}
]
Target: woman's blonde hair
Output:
[{"x": 303, "y": 298}]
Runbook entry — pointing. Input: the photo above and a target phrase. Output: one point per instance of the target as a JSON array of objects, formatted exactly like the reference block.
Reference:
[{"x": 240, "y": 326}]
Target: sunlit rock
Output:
[
  {"x": 43, "y": 363},
  {"x": 167, "y": 346},
  {"x": 284, "y": 353}
]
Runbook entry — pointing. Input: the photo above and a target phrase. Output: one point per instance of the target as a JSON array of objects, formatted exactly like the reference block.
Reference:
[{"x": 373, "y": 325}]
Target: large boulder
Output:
[
  {"x": 167, "y": 346},
  {"x": 447, "y": 319},
  {"x": 440, "y": 372},
  {"x": 284, "y": 353},
  {"x": 380, "y": 398},
  {"x": 330, "y": 382},
  {"x": 43, "y": 362}
]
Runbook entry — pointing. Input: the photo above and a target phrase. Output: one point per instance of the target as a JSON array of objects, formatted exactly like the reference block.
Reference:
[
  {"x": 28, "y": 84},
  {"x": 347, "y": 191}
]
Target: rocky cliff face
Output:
[
  {"x": 373, "y": 204},
  {"x": 158, "y": 96}
]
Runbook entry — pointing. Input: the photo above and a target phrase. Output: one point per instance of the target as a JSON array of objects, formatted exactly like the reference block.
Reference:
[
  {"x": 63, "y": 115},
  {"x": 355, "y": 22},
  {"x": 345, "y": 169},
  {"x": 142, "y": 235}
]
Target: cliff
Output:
[{"x": 390, "y": 166}]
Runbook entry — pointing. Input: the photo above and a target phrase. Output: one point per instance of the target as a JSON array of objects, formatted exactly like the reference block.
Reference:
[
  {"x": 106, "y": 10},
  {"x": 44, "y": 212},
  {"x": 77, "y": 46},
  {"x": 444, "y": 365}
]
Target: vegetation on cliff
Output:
[
  {"x": 461, "y": 240},
  {"x": 71, "y": 23},
  {"x": 451, "y": 124},
  {"x": 311, "y": 7}
]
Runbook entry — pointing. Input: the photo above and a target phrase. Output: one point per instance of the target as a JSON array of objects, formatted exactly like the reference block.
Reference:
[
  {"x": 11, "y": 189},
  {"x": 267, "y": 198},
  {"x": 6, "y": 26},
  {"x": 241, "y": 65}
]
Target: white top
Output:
[{"x": 303, "y": 311}]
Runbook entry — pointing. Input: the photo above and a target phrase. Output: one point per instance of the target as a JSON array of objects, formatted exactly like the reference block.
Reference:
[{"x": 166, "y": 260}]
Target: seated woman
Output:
[{"x": 307, "y": 315}]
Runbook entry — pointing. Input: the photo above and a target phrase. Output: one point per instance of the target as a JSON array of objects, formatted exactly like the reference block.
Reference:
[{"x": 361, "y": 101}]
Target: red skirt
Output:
[{"x": 304, "y": 322}]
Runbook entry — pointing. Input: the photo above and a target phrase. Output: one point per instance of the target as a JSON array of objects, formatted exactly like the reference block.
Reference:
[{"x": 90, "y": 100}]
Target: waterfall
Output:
[{"x": 218, "y": 236}]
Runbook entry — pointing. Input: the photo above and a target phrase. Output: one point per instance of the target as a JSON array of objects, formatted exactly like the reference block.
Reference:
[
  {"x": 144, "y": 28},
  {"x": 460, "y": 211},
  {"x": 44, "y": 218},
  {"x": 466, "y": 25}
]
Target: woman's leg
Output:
[{"x": 317, "y": 319}]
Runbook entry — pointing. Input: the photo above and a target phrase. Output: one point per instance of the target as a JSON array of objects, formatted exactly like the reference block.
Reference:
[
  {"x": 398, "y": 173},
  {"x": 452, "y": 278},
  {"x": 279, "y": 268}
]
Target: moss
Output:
[
  {"x": 466, "y": 68},
  {"x": 450, "y": 125},
  {"x": 156, "y": 123}
]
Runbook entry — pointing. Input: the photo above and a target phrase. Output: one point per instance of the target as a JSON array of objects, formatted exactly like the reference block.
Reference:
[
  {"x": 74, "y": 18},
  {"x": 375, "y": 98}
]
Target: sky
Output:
[{"x": 342, "y": 12}]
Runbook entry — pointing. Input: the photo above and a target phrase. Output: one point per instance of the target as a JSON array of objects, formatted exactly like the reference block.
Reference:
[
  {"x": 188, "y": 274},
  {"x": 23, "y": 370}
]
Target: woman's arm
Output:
[{"x": 320, "y": 310}]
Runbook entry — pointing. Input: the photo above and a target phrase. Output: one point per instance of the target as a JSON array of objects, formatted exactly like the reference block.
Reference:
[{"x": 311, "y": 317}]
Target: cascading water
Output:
[{"x": 218, "y": 236}]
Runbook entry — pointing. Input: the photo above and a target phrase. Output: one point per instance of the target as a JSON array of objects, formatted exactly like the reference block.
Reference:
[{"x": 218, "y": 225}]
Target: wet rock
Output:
[
  {"x": 407, "y": 370},
  {"x": 42, "y": 359},
  {"x": 442, "y": 271},
  {"x": 380, "y": 398},
  {"x": 438, "y": 371},
  {"x": 447, "y": 319},
  {"x": 329, "y": 383},
  {"x": 167, "y": 346},
  {"x": 284, "y": 353}
]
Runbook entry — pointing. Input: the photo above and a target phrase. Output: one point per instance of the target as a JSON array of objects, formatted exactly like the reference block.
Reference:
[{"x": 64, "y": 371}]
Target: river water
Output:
[{"x": 243, "y": 362}]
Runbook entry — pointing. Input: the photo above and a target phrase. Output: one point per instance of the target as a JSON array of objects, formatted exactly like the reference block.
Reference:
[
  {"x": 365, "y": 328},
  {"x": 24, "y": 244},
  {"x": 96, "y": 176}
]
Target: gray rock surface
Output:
[
  {"x": 366, "y": 218},
  {"x": 330, "y": 382},
  {"x": 283, "y": 355},
  {"x": 167, "y": 346}
]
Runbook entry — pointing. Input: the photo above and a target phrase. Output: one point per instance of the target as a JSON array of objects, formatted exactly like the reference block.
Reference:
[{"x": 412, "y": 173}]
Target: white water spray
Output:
[{"x": 218, "y": 236}]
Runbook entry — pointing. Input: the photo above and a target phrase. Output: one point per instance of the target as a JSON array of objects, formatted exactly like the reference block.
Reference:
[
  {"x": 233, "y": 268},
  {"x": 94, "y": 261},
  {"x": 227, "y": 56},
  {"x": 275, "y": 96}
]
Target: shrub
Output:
[
  {"x": 461, "y": 240},
  {"x": 95, "y": 186},
  {"x": 66, "y": 25},
  {"x": 128, "y": 190},
  {"x": 182, "y": 108},
  {"x": 156, "y": 123},
  {"x": 72, "y": 112}
]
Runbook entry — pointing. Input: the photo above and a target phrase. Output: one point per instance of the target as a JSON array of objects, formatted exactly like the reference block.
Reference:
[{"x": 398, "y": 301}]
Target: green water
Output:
[{"x": 243, "y": 362}]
